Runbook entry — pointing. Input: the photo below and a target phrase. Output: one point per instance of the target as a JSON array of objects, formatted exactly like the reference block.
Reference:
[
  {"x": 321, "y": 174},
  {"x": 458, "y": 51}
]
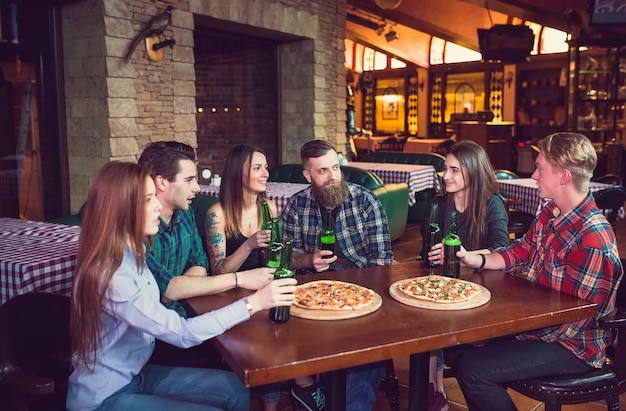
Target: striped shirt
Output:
[
  {"x": 175, "y": 249},
  {"x": 361, "y": 226},
  {"x": 574, "y": 253}
]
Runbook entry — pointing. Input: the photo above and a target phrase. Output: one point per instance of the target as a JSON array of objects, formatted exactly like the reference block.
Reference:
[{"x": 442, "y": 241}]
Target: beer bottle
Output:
[
  {"x": 266, "y": 224},
  {"x": 327, "y": 235},
  {"x": 451, "y": 244},
  {"x": 433, "y": 232},
  {"x": 280, "y": 314},
  {"x": 274, "y": 248}
]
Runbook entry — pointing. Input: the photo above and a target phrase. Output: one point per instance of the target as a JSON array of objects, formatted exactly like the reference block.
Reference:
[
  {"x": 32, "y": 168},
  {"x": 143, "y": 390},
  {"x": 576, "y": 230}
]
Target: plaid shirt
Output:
[
  {"x": 574, "y": 253},
  {"x": 174, "y": 250},
  {"x": 361, "y": 226}
]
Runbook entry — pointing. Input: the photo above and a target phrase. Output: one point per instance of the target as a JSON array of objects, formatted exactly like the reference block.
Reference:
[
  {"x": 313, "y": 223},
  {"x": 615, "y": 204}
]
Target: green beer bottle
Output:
[
  {"x": 451, "y": 244},
  {"x": 433, "y": 232},
  {"x": 281, "y": 314},
  {"x": 327, "y": 235},
  {"x": 266, "y": 224},
  {"x": 274, "y": 248}
]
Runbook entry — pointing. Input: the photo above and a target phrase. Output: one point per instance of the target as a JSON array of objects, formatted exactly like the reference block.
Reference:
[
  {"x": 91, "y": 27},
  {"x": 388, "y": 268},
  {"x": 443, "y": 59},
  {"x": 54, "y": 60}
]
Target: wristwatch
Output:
[{"x": 248, "y": 305}]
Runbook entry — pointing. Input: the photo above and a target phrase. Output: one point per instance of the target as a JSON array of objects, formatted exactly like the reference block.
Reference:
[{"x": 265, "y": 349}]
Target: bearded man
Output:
[
  {"x": 362, "y": 240},
  {"x": 361, "y": 225}
]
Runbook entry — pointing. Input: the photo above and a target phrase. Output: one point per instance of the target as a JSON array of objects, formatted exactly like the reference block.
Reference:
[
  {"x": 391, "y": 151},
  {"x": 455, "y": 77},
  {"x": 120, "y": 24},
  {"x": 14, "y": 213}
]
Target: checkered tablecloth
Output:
[
  {"x": 418, "y": 177},
  {"x": 36, "y": 256},
  {"x": 279, "y": 193},
  {"x": 526, "y": 190}
]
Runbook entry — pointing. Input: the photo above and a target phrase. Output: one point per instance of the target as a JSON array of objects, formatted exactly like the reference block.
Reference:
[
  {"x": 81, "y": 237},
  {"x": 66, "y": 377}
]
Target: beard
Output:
[{"x": 332, "y": 194}]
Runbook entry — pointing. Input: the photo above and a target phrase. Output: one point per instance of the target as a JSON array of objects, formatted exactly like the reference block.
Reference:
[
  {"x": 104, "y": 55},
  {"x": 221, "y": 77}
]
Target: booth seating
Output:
[
  {"x": 393, "y": 197},
  {"x": 416, "y": 212}
]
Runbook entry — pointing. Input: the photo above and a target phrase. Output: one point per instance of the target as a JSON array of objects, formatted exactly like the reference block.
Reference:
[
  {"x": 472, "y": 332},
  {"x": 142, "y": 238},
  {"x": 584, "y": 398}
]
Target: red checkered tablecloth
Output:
[
  {"x": 279, "y": 193},
  {"x": 418, "y": 177},
  {"x": 36, "y": 256},
  {"x": 526, "y": 190}
]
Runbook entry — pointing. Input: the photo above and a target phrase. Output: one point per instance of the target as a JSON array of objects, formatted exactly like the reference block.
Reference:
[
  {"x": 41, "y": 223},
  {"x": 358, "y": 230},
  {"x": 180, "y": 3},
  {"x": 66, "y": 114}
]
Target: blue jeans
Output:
[
  {"x": 160, "y": 388},
  {"x": 482, "y": 372},
  {"x": 362, "y": 384}
]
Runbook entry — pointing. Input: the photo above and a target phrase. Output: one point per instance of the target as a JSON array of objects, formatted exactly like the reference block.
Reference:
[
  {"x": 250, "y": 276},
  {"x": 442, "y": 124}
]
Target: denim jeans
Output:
[
  {"x": 158, "y": 388},
  {"x": 362, "y": 384},
  {"x": 482, "y": 372}
]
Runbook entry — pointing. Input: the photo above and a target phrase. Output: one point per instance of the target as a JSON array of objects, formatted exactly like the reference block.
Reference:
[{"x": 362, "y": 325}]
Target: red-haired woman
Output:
[{"x": 116, "y": 313}]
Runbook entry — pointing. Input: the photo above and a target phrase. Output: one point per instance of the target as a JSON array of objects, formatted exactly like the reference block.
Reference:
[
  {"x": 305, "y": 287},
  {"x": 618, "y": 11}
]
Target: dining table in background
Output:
[
  {"x": 418, "y": 177},
  {"x": 36, "y": 256},
  {"x": 261, "y": 352},
  {"x": 369, "y": 144},
  {"x": 526, "y": 190},
  {"x": 422, "y": 145},
  {"x": 279, "y": 193}
]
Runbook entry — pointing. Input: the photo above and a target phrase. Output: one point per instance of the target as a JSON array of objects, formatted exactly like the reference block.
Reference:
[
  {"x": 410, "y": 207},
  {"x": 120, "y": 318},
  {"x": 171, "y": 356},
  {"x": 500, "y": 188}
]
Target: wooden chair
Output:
[
  {"x": 606, "y": 383},
  {"x": 35, "y": 351},
  {"x": 610, "y": 200}
]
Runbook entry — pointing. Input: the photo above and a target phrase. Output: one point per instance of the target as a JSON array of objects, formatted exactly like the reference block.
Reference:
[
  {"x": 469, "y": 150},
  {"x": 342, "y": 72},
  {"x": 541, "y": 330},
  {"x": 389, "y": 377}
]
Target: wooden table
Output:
[
  {"x": 417, "y": 177},
  {"x": 279, "y": 193},
  {"x": 261, "y": 352},
  {"x": 36, "y": 256},
  {"x": 526, "y": 190}
]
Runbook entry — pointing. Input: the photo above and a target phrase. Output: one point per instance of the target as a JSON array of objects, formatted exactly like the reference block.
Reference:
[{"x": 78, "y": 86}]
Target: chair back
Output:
[
  {"x": 362, "y": 177},
  {"x": 287, "y": 173},
  {"x": 610, "y": 200},
  {"x": 35, "y": 341},
  {"x": 433, "y": 159},
  {"x": 612, "y": 179},
  {"x": 505, "y": 175},
  {"x": 619, "y": 353}
]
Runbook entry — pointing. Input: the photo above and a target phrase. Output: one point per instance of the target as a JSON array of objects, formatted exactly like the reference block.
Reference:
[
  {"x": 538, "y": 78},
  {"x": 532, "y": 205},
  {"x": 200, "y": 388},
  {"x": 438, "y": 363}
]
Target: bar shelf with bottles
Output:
[{"x": 597, "y": 90}]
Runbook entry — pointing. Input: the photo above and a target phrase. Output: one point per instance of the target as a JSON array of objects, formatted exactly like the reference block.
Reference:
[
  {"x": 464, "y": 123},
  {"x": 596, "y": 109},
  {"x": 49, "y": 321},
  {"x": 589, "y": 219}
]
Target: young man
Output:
[
  {"x": 361, "y": 227},
  {"x": 362, "y": 234},
  {"x": 571, "y": 248},
  {"x": 176, "y": 257}
]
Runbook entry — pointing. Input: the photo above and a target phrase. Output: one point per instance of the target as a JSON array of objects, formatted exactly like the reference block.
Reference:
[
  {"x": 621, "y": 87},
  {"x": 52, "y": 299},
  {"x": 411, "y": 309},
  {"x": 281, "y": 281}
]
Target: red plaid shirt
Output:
[{"x": 574, "y": 253}]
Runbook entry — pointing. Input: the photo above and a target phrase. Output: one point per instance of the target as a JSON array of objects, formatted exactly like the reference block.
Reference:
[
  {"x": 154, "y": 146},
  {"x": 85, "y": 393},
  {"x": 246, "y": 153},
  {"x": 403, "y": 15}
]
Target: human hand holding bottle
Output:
[{"x": 274, "y": 294}]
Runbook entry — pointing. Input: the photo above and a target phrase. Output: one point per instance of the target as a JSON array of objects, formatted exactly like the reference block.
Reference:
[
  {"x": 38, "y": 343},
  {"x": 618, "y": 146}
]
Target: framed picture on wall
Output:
[{"x": 390, "y": 110}]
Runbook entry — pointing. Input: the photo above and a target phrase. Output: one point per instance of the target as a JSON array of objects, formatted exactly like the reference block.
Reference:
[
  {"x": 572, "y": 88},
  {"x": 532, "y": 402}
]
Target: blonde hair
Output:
[{"x": 573, "y": 152}]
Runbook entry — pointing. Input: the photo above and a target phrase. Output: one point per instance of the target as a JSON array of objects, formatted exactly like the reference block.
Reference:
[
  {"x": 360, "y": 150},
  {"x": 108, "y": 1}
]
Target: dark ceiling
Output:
[{"x": 457, "y": 20}]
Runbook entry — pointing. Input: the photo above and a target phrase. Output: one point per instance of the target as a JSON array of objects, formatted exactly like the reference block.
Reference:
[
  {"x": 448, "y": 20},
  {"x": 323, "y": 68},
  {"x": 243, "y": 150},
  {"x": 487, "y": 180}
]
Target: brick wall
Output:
[{"x": 115, "y": 109}]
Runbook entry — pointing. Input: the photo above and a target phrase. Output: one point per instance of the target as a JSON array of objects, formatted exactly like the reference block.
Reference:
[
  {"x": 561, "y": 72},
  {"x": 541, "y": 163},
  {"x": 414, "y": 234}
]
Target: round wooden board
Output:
[
  {"x": 336, "y": 315},
  {"x": 481, "y": 298}
]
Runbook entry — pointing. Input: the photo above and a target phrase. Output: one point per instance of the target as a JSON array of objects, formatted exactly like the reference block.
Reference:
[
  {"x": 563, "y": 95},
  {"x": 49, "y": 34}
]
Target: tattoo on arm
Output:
[{"x": 215, "y": 239}]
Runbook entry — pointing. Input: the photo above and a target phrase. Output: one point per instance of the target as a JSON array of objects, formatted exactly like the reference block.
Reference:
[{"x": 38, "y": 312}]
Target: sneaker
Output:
[
  {"x": 436, "y": 400},
  {"x": 312, "y": 398}
]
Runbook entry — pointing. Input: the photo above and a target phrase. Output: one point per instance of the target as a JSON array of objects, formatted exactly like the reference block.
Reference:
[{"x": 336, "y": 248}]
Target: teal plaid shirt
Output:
[{"x": 174, "y": 250}]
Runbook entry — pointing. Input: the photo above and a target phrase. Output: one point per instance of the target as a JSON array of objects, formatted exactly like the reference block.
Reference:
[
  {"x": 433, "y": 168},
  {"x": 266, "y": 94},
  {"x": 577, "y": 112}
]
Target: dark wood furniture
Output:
[
  {"x": 261, "y": 352},
  {"x": 495, "y": 138}
]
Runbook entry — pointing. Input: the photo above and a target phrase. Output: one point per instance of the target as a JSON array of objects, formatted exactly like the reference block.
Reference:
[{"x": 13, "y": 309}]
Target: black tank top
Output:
[{"x": 254, "y": 260}]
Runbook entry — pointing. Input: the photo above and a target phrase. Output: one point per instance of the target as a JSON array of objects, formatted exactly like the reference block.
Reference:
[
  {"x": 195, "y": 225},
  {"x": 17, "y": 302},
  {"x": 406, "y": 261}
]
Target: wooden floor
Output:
[{"x": 407, "y": 248}]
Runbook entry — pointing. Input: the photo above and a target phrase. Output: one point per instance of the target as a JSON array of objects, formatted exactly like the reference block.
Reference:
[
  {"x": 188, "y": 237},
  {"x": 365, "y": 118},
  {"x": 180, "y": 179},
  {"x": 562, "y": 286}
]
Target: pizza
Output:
[
  {"x": 439, "y": 289},
  {"x": 333, "y": 295}
]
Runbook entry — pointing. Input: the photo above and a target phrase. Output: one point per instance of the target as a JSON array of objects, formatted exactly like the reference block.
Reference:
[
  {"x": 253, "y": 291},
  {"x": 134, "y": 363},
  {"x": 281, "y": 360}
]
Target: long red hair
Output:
[{"x": 114, "y": 216}]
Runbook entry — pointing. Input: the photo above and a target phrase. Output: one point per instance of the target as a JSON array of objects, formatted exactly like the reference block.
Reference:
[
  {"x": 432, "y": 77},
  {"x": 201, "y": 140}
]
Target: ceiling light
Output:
[
  {"x": 391, "y": 35},
  {"x": 381, "y": 28}
]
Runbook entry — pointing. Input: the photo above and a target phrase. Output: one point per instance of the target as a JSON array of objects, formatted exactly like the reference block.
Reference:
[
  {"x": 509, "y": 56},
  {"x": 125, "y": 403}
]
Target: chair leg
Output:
[
  {"x": 391, "y": 385},
  {"x": 613, "y": 403},
  {"x": 553, "y": 407}
]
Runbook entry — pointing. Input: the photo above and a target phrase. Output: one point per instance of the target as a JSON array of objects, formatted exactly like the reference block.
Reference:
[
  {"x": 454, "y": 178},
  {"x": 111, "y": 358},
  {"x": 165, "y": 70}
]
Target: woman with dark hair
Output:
[
  {"x": 482, "y": 222},
  {"x": 116, "y": 314},
  {"x": 233, "y": 225},
  {"x": 233, "y": 229}
]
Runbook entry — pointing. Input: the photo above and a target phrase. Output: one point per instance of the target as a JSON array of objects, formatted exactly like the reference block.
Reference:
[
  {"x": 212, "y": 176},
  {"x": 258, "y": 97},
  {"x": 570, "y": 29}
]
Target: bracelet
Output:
[
  {"x": 237, "y": 280},
  {"x": 482, "y": 264}
]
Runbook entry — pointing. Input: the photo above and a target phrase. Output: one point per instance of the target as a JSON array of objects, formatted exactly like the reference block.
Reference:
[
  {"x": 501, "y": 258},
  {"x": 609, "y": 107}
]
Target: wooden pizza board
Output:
[
  {"x": 305, "y": 313},
  {"x": 482, "y": 298}
]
